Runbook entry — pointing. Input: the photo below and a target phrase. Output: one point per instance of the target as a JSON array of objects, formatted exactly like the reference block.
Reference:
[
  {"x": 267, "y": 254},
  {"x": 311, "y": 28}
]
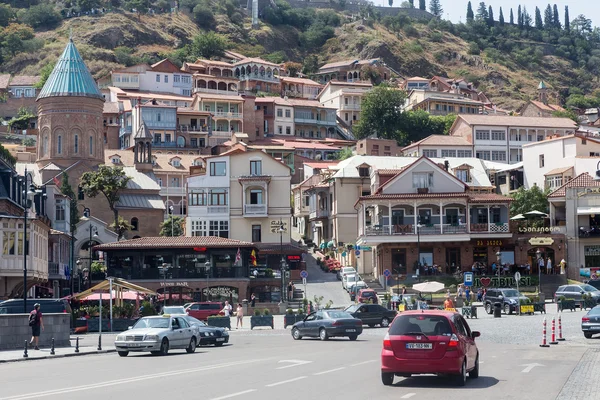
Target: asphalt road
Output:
[
  {"x": 324, "y": 284},
  {"x": 272, "y": 365}
]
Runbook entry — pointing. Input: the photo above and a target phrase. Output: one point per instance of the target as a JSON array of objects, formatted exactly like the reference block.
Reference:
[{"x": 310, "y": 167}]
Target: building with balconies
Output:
[
  {"x": 440, "y": 103},
  {"x": 257, "y": 75},
  {"x": 161, "y": 77},
  {"x": 313, "y": 120},
  {"x": 351, "y": 71},
  {"x": 346, "y": 98},
  {"x": 443, "y": 146},
  {"x": 227, "y": 115},
  {"x": 300, "y": 88}
]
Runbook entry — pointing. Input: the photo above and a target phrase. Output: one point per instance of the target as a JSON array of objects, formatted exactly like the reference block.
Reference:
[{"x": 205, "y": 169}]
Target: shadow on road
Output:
[{"x": 428, "y": 381}]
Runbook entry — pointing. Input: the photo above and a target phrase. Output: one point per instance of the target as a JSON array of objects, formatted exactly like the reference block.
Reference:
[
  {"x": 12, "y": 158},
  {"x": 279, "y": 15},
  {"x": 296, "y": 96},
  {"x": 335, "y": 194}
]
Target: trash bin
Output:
[{"x": 497, "y": 310}]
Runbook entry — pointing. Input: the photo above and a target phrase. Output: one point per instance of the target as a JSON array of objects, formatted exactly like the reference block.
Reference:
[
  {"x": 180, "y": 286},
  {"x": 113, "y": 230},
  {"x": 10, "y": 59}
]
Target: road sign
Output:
[
  {"x": 344, "y": 254},
  {"x": 357, "y": 247},
  {"x": 303, "y": 274},
  {"x": 468, "y": 279},
  {"x": 517, "y": 276},
  {"x": 357, "y": 252},
  {"x": 304, "y": 281},
  {"x": 387, "y": 273}
]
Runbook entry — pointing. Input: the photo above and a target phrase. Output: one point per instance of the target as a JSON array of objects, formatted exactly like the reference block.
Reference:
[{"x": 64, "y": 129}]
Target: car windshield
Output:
[
  {"x": 338, "y": 314},
  {"x": 594, "y": 311},
  {"x": 348, "y": 270},
  {"x": 194, "y": 321},
  {"x": 430, "y": 325},
  {"x": 173, "y": 310},
  {"x": 145, "y": 323},
  {"x": 351, "y": 278},
  {"x": 510, "y": 293},
  {"x": 352, "y": 308},
  {"x": 588, "y": 288},
  {"x": 368, "y": 294}
]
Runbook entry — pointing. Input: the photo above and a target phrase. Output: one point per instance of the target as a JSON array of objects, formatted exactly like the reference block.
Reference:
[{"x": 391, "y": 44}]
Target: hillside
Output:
[{"x": 115, "y": 39}]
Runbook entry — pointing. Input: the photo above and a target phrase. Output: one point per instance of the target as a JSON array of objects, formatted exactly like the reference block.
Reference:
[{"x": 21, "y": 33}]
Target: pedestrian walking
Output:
[
  {"x": 468, "y": 295},
  {"x": 290, "y": 290},
  {"x": 448, "y": 303},
  {"x": 36, "y": 322},
  {"x": 239, "y": 312},
  {"x": 549, "y": 266},
  {"x": 227, "y": 309},
  {"x": 252, "y": 300}
]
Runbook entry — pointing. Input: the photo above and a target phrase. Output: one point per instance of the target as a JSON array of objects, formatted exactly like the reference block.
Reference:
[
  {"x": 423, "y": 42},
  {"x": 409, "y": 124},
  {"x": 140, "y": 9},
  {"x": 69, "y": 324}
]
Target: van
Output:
[{"x": 47, "y": 306}]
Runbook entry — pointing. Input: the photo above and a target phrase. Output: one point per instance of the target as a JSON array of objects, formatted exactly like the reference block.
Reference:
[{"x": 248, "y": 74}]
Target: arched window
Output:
[
  {"x": 134, "y": 224},
  {"x": 45, "y": 146},
  {"x": 91, "y": 145},
  {"x": 59, "y": 144},
  {"x": 182, "y": 207},
  {"x": 76, "y": 144}
]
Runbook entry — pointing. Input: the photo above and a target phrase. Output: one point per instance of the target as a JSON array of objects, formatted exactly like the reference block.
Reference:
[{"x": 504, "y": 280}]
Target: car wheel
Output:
[
  {"x": 164, "y": 347},
  {"x": 488, "y": 308},
  {"x": 323, "y": 334},
  {"x": 296, "y": 334},
  {"x": 192, "y": 346},
  {"x": 123, "y": 353},
  {"x": 461, "y": 379},
  {"x": 475, "y": 371},
  {"x": 387, "y": 378},
  {"x": 352, "y": 337},
  {"x": 507, "y": 310},
  {"x": 385, "y": 322},
  {"x": 587, "y": 335}
]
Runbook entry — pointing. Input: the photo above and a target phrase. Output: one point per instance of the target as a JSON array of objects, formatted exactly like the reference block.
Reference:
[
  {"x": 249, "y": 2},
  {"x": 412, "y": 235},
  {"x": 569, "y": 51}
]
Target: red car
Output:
[
  {"x": 204, "y": 310},
  {"x": 429, "y": 342},
  {"x": 367, "y": 295}
]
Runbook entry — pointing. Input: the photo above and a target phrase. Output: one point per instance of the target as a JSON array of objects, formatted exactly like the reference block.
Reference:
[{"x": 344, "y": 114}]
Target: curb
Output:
[{"x": 58, "y": 356}]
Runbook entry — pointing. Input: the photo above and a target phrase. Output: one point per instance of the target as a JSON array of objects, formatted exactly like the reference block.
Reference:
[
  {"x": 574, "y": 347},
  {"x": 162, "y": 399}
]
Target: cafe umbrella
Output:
[
  {"x": 518, "y": 217},
  {"x": 428, "y": 287},
  {"x": 536, "y": 213}
]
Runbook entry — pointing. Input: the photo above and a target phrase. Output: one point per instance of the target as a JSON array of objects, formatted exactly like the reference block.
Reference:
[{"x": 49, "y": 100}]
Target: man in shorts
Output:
[{"x": 37, "y": 325}]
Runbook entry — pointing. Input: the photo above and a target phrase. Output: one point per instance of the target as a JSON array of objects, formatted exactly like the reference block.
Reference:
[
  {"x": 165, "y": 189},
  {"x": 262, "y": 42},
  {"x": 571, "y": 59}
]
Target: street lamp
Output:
[
  {"x": 499, "y": 259},
  {"x": 283, "y": 267},
  {"x": 93, "y": 232},
  {"x": 164, "y": 270},
  {"x": 419, "y": 226},
  {"x": 171, "y": 214},
  {"x": 538, "y": 255},
  {"x": 207, "y": 268}
]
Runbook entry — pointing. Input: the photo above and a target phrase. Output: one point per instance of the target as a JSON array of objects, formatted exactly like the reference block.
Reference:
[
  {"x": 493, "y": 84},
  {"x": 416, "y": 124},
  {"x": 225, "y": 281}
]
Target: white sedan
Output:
[
  {"x": 158, "y": 335},
  {"x": 350, "y": 280}
]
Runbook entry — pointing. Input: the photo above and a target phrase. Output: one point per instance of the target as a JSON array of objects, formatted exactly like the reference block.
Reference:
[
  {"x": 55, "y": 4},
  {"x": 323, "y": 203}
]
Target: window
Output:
[
  {"x": 306, "y": 200},
  {"x": 495, "y": 215},
  {"x": 288, "y": 130},
  {"x": 199, "y": 228},
  {"x": 288, "y": 114},
  {"x": 541, "y": 161},
  {"x": 60, "y": 210},
  {"x": 175, "y": 182},
  {"x": 256, "y": 196},
  {"x": 80, "y": 194},
  {"x": 158, "y": 78},
  {"x": 554, "y": 181},
  {"x": 8, "y": 243},
  {"x": 256, "y": 167},
  {"x": 45, "y": 147},
  {"x": 76, "y": 144},
  {"x": 197, "y": 198},
  {"x": 452, "y": 215},
  {"x": 484, "y": 155},
  {"x": 218, "y": 197},
  {"x": 91, "y": 146},
  {"x": 218, "y": 168},
  {"x": 157, "y": 137},
  {"x": 176, "y": 78},
  {"x": 134, "y": 224},
  {"x": 186, "y": 92},
  {"x": 186, "y": 79},
  {"x": 116, "y": 160},
  {"x": 279, "y": 129},
  {"x": 462, "y": 174},
  {"x": 59, "y": 144},
  {"x": 219, "y": 228},
  {"x": 176, "y": 162},
  {"x": 430, "y": 153},
  {"x": 166, "y": 78},
  {"x": 422, "y": 180},
  {"x": 498, "y": 135},
  {"x": 363, "y": 172},
  {"x": 464, "y": 153},
  {"x": 256, "y": 233},
  {"x": 158, "y": 117},
  {"x": 448, "y": 153},
  {"x": 279, "y": 112},
  {"x": 498, "y": 156},
  {"x": 387, "y": 148},
  {"x": 482, "y": 135}
]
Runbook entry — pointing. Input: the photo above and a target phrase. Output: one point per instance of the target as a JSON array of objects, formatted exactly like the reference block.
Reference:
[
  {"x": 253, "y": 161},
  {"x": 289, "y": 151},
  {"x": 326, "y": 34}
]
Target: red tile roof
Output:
[
  {"x": 488, "y": 198},
  {"x": 547, "y": 107},
  {"x": 390, "y": 172},
  {"x": 275, "y": 248},
  {"x": 472, "y": 197},
  {"x": 24, "y": 80},
  {"x": 159, "y": 242},
  {"x": 440, "y": 140},
  {"x": 580, "y": 181}
]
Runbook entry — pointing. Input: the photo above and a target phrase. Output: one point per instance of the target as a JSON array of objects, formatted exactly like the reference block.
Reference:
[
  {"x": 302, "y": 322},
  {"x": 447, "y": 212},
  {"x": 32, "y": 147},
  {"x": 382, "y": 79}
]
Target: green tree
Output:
[
  {"x": 87, "y": 5},
  {"x": 490, "y": 20},
  {"x": 470, "y": 15},
  {"x": 13, "y": 37},
  {"x": 6, "y": 15},
  {"x": 567, "y": 114},
  {"x": 208, "y": 45},
  {"x": 567, "y": 20},
  {"x": 435, "y": 7},
  {"x": 346, "y": 152},
  {"x": 512, "y": 17},
  {"x": 526, "y": 200},
  {"x": 417, "y": 125},
  {"x": 120, "y": 227},
  {"x": 381, "y": 113},
  {"x": 109, "y": 181},
  {"x": 311, "y": 64},
  {"x": 140, "y": 6},
  {"x": 548, "y": 18},
  {"x": 68, "y": 191},
  {"x": 556, "y": 17},
  {"x": 21, "y": 120},
  {"x": 204, "y": 16},
  {"x": 45, "y": 74},
  {"x": 539, "y": 24},
  {"x": 6, "y": 156},
  {"x": 172, "y": 226},
  {"x": 501, "y": 17},
  {"x": 526, "y": 18},
  {"x": 520, "y": 17},
  {"x": 292, "y": 68},
  {"x": 391, "y": 2},
  {"x": 422, "y": 5},
  {"x": 482, "y": 12},
  {"x": 412, "y": 3},
  {"x": 371, "y": 73}
]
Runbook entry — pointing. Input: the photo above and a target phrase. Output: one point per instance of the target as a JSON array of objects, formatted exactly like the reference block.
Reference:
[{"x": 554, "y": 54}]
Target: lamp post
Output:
[
  {"x": 207, "y": 270},
  {"x": 28, "y": 193},
  {"x": 282, "y": 262},
  {"x": 164, "y": 269},
  {"x": 499, "y": 259},
  {"x": 93, "y": 231},
  {"x": 419, "y": 226},
  {"x": 171, "y": 214},
  {"x": 538, "y": 255}
]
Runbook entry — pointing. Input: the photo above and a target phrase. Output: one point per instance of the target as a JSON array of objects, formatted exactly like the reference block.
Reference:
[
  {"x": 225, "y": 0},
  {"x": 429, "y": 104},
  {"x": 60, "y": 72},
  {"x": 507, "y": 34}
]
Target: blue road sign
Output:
[
  {"x": 357, "y": 252},
  {"x": 468, "y": 278},
  {"x": 387, "y": 273},
  {"x": 303, "y": 274}
]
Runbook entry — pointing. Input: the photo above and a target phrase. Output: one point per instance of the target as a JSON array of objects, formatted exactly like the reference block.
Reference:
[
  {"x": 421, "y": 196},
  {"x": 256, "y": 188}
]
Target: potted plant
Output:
[
  {"x": 290, "y": 318},
  {"x": 220, "y": 321},
  {"x": 266, "y": 319},
  {"x": 566, "y": 304},
  {"x": 587, "y": 301},
  {"x": 268, "y": 273}
]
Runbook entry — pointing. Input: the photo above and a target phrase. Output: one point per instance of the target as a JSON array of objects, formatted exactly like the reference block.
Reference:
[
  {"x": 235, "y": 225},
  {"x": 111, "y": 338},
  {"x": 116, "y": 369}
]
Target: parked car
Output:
[
  {"x": 327, "y": 323},
  {"x": 208, "y": 334},
  {"x": 595, "y": 283},
  {"x": 355, "y": 288},
  {"x": 590, "y": 323},
  {"x": 349, "y": 280},
  {"x": 372, "y": 314},
  {"x": 576, "y": 292},
  {"x": 367, "y": 296},
  {"x": 158, "y": 335},
  {"x": 204, "y": 310},
  {"x": 173, "y": 310},
  {"x": 508, "y": 298},
  {"x": 47, "y": 306},
  {"x": 345, "y": 271},
  {"x": 429, "y": 342}
]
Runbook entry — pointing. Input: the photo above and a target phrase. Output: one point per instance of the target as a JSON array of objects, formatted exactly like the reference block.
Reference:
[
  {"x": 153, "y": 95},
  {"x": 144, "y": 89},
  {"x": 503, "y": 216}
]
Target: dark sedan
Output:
[
  {"x": 209, "y": 334},
  {"x": 328, "y": 323},
  {"x": 590, "y": 323},
  {"x": 372, "y": 314}
]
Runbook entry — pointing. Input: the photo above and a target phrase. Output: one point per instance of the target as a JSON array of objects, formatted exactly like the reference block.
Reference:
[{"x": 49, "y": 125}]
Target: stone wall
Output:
[
  {"x": 355, "y": 6},
  {"x": 15, "y": 330}
]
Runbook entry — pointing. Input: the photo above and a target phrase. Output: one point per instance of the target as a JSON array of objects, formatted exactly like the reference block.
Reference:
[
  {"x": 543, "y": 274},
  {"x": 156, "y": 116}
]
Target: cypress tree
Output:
[
  {"x": 512, "y": 17},
  {"x": 482, "y": 12},
  {"x": 490, "y": 20},
  {"x": 436, "y": 8},
  {"x": 538, "y": 19},
  {"x": 422, "y": 5},
  {"x": 519, "y": 17},
  {"x": 548, "y": 18},
  {"x": 470, "y": 15},
  {"x": 501, "y": 18},
  {"x": 526, "y": 18},
  {"x": 412, "y": 3},
  {"x": 556, "y": 17},
  {"x": 567, "y": 21}
]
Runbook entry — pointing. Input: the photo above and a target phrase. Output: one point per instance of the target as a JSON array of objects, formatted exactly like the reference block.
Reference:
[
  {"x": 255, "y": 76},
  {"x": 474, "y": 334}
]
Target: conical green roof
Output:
[
  {"x": 542, "y": 85},
  {"x": 70, "y": 77}
]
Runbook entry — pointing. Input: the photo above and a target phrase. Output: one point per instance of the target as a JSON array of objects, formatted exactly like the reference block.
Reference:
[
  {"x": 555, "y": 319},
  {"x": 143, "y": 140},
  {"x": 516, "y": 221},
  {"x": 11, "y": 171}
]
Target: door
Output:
[
  {"x": 468, "y": 343},
  {"x": 307, "y": 323},
  {"x": 313, "y": 328},
  {"x": 574, "y": 292},
  {"x": 186, "y": 332},
  {"x": 363, "y": 314},
  {"x": 176, "y": 336}
]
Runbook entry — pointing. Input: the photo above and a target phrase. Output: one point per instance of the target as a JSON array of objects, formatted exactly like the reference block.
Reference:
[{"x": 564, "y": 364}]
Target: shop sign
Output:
[
  {"x": 366, "y": 248},
  {"x": 591, "y": 250},
  {"x": 223, "y": 291},
  {"x": 543, "y": 229},
  {"x": 487, "y": 243},
  {"x": 171, "y": 284},
  {"x": 275, "y": 225},
  {"x": 294, "y": 258},
  {"x": 501, "y": 281},
  {"x": 541, "y": 241},
  {"x": 589, "y": 191}
]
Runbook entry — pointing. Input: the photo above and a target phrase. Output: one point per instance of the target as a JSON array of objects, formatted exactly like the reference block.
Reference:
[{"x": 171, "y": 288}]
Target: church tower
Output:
[
  {"x": 143, "y": 148},
  {"x": 70, "y": 109},
  {"x": 543, "y": 92}
]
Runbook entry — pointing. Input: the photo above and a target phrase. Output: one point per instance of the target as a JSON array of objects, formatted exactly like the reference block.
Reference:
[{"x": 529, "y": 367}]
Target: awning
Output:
[
  {"x": 588, "y": 210},
  {"x": 117, "y": 283}
]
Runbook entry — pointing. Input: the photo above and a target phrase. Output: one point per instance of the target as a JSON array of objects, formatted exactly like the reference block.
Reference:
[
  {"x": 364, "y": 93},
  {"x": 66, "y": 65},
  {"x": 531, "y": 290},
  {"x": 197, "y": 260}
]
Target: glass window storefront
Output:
[{"x": 592, "y": 256}]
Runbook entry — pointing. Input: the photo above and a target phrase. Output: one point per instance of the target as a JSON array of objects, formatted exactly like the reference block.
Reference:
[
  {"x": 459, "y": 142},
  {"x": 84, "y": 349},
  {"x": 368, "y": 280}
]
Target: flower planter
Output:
[
  {"x": 261, "y": 320},
  {"x": 119, "y": 324},
  {"x": 469, "y": 311},
  {"x": 566, "y": 305},
  {"x": 221, "y": 322},
  {"x": 588, "y": 303},
  {"x": 539, "y": 307},
  {"x": 291, "y": 319}
]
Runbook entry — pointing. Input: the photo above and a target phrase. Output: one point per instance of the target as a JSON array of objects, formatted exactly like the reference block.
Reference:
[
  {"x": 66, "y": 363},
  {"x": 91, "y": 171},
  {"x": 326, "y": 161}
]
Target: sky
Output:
[{"x": 455, "y": 10}]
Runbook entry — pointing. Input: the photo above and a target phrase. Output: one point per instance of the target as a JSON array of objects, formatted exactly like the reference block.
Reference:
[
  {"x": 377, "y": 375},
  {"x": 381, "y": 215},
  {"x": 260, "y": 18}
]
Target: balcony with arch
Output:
[{"x": 215, "y": 85}]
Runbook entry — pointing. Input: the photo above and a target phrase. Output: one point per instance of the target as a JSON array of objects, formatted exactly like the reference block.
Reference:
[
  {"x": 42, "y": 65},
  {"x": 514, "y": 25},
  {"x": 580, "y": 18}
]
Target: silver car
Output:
[
  {"x": 158, "y": 335},
  {"x": 590, "y": 323}
]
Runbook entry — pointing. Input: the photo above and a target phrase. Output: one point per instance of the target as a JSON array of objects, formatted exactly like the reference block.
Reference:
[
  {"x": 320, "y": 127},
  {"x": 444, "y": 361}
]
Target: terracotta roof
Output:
[
  {"x": 501, "y": 120},
  {"x": 210, "y": 62},
  {"x": 24, "y": 80},
  {"x": 159, "y": 242},
  {"x": 111, "y": 107},
  {"x": 390, "y": 172},
  {"x": 162, "y": 160},
  {"x": 247, "y": 60},
  {"x": 276, "y": 248},
  {"x": 4, "y": 79},
  {"x": 321, "y": 164},
  {"x": 547, "y": 107},
  {"x": 580, "y": 181},
  {"x": 557, "y": 171},
  {"x": 488, "y": 198},
  {"x": 440, "y": 140},
  {"x": 166, "y": 65},
  {"x": 409, "y": 196},
  {"x": 302, "y": 81}
]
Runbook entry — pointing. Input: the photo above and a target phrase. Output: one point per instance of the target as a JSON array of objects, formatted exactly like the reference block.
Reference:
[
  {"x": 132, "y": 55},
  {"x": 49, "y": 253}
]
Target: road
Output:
[
  {"x": 324, "y": 284},
  {"x": 269, "y": 365}
]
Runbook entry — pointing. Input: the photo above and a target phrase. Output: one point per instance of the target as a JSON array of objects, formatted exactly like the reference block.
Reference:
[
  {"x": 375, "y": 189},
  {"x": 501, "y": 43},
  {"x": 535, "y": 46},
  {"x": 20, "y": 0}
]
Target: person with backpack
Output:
[{"x": 36, "y": 322}]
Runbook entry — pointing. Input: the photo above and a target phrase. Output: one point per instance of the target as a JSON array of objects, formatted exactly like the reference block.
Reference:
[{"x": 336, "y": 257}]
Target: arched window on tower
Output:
[
  {"x": 59, "y": 144},
  {"x": 76, "y": 144},
  {"x": 91, "y": 145},
  {"x": 45, "y": 149},
  {"x": 134, "y": 224}
]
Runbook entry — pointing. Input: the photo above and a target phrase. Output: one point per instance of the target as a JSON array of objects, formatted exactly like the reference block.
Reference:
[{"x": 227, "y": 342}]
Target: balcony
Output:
[
  {"x": 222, "y": 134},
  {"x": 435, "y": 229},
  {"x": 255, "y": 210},
  {"x": 61, "y": 226},
  {"x": 192, "y": 129},
  {"x": 56, "y": 270},
  {"x": 172, "y": 191},
  {"x": 313, "y": 121},
  {"x": 490, "y": 228},
  {"x": 319, "y": 214},
  {"x": 216, "y": 91},
  {"x": 222, "y": 114},
  {"x": 183, "y": 272},
  {"x": 166, "y": 144},
  {"x": 355, "y": 107},
  {"x": 217, "y": 210},
  {"x": 258, "y": 77}
]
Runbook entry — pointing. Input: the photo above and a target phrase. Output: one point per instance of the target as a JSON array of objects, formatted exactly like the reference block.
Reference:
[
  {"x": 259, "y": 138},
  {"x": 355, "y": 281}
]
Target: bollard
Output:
[
  {"x": 544, "y": 344},
  {"x": 52, "y": 348},
  {"x": 560, "y": 336},
  {"x": 553, "y": 341},
  {"x": 77, "y": 345},
  {"x": 100, "y": 343},
  {"x": 25, "y": 355}
]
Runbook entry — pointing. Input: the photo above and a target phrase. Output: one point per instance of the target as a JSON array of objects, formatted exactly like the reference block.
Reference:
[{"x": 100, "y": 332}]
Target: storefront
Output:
[{"x": 531, "y": 248}]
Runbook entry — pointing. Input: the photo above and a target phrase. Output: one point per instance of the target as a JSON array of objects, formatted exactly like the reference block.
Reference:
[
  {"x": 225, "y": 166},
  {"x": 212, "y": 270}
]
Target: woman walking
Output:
[{"x": 240, "y": 316}]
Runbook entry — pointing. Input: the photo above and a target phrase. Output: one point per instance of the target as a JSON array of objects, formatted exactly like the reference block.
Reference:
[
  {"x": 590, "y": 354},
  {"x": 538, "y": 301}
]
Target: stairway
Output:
[{"x": 549, "y": 284}]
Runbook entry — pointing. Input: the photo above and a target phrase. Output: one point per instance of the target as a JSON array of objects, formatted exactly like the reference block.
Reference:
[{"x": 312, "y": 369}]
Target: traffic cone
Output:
[
  {"x": 544, "y": 344},
  {"x": 560, "y": 336},
  {"x": 553, "y": 341}
]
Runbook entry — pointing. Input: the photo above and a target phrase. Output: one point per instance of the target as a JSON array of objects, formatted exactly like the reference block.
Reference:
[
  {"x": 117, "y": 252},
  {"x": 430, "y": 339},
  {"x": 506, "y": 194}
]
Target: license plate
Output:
[
  {"x": 220, "y": 339},
  {"x": 419, "y": 346},
  {"x": 134, "y": 344},
  {"x": 350, "y": 330}
]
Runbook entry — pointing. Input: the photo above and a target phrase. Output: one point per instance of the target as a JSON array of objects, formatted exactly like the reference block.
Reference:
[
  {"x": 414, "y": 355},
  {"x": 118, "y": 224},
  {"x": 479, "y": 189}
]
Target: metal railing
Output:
[
  {"x": 228, "y": 114},
  {"x": 255, "y": 209}
]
